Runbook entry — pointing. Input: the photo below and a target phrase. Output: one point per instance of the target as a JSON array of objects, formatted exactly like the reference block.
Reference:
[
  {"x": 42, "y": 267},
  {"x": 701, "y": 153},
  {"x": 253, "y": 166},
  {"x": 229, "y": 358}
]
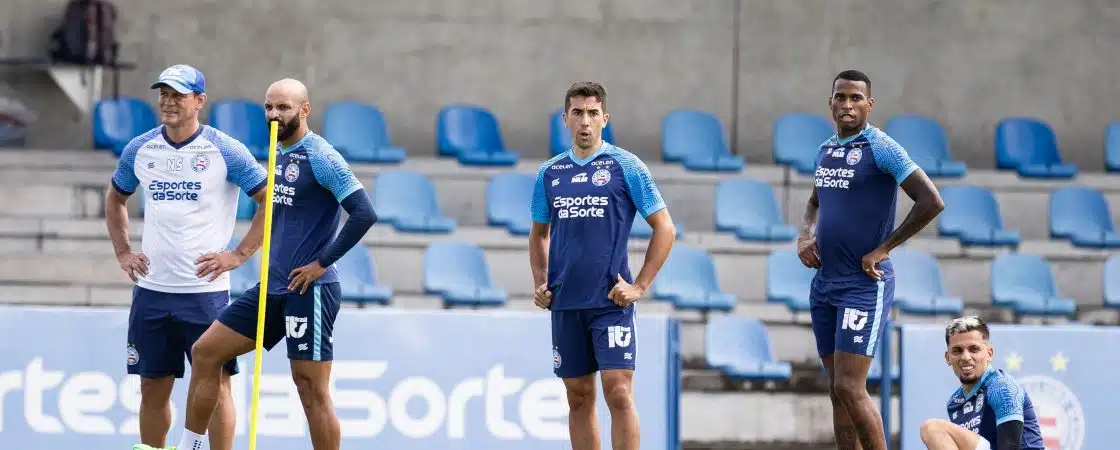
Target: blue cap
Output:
[{"x": 183, "y": 79}]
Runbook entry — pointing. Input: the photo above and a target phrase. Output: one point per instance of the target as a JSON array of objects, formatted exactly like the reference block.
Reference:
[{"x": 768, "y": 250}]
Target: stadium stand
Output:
[
  {"x": 925, "y": 141},
  {"x": 560, "y": 140},
  {"x": 1025, "y": 283},
  {"x": 739, "y": 347},
  {"x": 458, "y": 272},
  {"x": 508, "y": 196},
  {"x": 788, "y": 281},
  {"x": 245, "y": 276},
  {"x": 117, "y": 121},
  {"x": 359, "y": 132},
  {"x": 797, "y": 140},
  {"x": 696, "y": 140},
  {"x": 246, "y": 206},
  {"x": 918, "y": 288},
  {"x": 1112, "y": 147},
  {"x": 241, "y": 119},
  {"x": 1111, "y": 277},
  {"x": 1029, "y": 147},
  {"x": 1081, "y": 214},
  {"x": 357, "y": 274},
  {"x": 472, "y": 134},
  {"x": 689, "y": 280},
  {"x": 408, "y": 201},
  {"x": 641, "y": 229},
  {"x": 749, "y": 209},
  {"x": 973, "y": 217}
]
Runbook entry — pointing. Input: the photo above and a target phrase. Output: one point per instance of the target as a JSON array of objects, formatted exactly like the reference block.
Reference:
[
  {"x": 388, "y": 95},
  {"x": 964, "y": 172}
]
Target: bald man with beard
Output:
[{"x": 313, "y": 184}]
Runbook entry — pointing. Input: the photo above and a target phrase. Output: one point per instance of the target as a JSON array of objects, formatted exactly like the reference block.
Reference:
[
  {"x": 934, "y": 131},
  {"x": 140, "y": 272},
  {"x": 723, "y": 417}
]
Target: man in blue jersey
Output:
[
  {"x": 313, "y": 184},
  {"x": 847, "y": 233},
  {"x": 190, "y": 175},
  {"x": 990, "y": 408},
  {"x": 584, "y": 203}
]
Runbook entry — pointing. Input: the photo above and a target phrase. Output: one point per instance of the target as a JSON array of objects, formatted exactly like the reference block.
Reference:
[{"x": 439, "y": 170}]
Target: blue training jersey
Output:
[
  {"x": 312, "y": 179},
  {"x": 995, "y": 399},
  {"x": 590, "y": 205},
  {"x": 857, "y": 181}
]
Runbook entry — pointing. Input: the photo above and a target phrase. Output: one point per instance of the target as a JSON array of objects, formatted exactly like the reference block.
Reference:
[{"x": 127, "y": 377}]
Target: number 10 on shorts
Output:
[{"x": 618, "y": 336}]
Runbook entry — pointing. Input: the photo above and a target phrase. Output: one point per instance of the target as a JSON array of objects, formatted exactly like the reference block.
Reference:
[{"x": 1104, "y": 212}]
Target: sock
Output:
[{"x": 193, "y": 441}]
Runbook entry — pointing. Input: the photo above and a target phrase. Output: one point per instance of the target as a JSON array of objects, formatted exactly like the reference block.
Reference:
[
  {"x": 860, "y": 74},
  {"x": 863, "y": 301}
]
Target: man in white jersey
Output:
[{"x": 190, "y": 174}]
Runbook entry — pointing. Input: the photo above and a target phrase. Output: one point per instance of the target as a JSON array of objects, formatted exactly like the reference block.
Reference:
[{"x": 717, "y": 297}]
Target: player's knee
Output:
[
  {"x": 581, "y": 395},
  {"x": 312, "y": 392},
  {"x": 619, "y": 396},
  {"x": 848, "y": 390},
  {"x": 930, "y": 428},
  {"x": 156, "y": 392}
]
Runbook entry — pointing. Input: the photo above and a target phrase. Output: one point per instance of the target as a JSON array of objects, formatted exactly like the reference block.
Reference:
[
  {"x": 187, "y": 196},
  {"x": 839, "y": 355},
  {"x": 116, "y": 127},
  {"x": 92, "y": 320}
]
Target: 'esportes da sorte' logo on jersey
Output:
[
  {"x": 837, "y": 178},
  {"x": 588, "y": 206},
  {"x": 174, "y": 190}
]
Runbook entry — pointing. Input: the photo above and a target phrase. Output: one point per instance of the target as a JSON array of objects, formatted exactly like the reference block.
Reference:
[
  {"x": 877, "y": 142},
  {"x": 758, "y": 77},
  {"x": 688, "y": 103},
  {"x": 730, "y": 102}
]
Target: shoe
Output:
[{"x": 148, "y": 447}]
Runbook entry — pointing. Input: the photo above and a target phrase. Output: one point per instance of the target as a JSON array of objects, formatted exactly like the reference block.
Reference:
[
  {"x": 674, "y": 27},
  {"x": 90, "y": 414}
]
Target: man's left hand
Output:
[
  {"x": 870, "y": 262},
  {"x": 217, "y": 263},
  {"x": 305, "y": 276},
  {"x": 623, "y": 293}
]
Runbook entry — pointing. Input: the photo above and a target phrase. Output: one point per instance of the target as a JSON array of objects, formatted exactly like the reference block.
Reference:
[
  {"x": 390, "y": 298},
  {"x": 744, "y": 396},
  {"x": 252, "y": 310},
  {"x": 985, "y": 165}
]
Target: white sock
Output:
[{"x": 192, "y": 441}]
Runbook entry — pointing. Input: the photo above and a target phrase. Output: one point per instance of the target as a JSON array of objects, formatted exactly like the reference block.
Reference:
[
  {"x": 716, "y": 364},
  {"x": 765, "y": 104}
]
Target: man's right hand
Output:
[
  {"x": 134, "y": 264},
  {"x": 808, "y": 252},
  {"x": 543, "y": 297}
]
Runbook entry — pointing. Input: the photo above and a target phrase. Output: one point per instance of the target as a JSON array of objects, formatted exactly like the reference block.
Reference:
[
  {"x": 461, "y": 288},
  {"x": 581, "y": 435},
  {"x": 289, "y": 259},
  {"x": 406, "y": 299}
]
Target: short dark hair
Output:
[
  {"x": 853, "y": 75},
  {"x": 966, "y": 324},
  {"x": 585, "y": 89}
]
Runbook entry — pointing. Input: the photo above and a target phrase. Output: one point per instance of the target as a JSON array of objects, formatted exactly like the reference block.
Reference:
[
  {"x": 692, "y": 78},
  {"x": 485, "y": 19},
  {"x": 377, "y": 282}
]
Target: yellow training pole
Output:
[{"x": 262, "y": 300}]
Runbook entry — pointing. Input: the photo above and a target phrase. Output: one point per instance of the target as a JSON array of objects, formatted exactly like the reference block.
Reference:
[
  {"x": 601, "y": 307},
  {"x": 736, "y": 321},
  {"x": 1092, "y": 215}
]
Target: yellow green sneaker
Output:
[{"x": 148, "y": 447}]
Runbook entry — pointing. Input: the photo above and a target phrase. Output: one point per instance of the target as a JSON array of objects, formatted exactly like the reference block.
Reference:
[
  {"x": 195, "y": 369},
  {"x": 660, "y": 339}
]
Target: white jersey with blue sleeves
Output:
[{"x": 189, "y": 199}]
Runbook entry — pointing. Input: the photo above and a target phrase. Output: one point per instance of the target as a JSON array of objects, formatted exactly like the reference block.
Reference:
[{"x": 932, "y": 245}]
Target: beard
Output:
[{"x": 287, "y": 129}]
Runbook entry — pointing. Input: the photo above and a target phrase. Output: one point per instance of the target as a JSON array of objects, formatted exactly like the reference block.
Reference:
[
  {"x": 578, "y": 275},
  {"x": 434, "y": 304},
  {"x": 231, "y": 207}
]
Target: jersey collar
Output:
[
  {"x": 179, "y": 145},
  {"x": 866, "y": 127},
  {"x": 300, "y": 143},
  {"x": 976, "y": 387},
  {"x": 603, "y": 147}
]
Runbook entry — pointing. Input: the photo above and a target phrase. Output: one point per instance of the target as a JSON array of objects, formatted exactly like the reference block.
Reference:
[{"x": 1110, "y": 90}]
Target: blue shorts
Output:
[
  {"x": 850, "y": 316},
  {"x": 306, "y": 320},
  {"x": 163, "y": 326},
  {"x": 588, "y": 340}
]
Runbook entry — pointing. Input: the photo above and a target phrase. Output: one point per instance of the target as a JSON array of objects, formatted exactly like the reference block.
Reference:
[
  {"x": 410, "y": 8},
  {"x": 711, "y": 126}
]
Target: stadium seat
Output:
[
  {"x": 246, "y": 206},
  {"x": 243, "y": 120},
  {"x": 247, "y": 275},
  {"x": 116, "y": 122},
  {"x": 788, "y": 281},
  {"x": 407, "y": 201},
  {"x": 1112, "y": 147},
  {"x": 508, "y": 199},
  {"x": 689, "y": 281},
  {"x": 457, "y": 271},
  {"x": 641, "y": 229},
  {"x": 918, "y": 287},
  {"x": 925, "y": 141},
  {"x": 357, "y": 274},
  {"x": 695, "y": 138},
  {"x": 1025, "y": 283},
  {"x": 739, "y": 347},
  {"x": 750, "y": 209},
  {"x": 560, "y": 139},
  {"x": 1029, "y": 147},
  {"x": 1110, "y": 279},
  {"x": 472, "y": 135},
  {"x": 1082, "y": 215},
  {"x": 359, "y": 132},
  {"x": 797, "y": 140},
  {"x": 972, "y": 216}
]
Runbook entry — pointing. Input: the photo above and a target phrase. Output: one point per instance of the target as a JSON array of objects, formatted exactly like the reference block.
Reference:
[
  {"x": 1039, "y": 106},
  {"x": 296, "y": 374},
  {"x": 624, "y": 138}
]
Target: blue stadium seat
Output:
[
  {"x": 245, "y": 276},
  {"x": 472, "y": 134},
  {"x": 925, "y": 141},
  {"x": 1112, "y": 147},
  {"x": 116, "y": 122},
  {"x": 1029, "y": 147},
  {"x": 972, "y": 216},
  {"x": 508, "y": 199},
  {"x": 739, "y": 347},
  {"x": 560, "y": 139},
  {"x": 407, "y": 201},
  {"x": 695, "y": 138},
  {"x": 918, "y": 287},
  {"x": 1081, "y": 214},
  {"x": 357, "y": 274},
  {"x": 641, "y": 229},
  {"x": 243, "y": 120},
  {"x": 750, "y": 209},
  {"x": 798, "y": 138},
  {"x": 689, "y": 280},
  {"x": 788, "y": 281},
  {"x": 1110, "y": 278},
  {"x": 1025, "y": 283},
  {"x": 359, "y": 132},
  {"x": 458, "y": 272},
  {"x": 246, "y": 206}
]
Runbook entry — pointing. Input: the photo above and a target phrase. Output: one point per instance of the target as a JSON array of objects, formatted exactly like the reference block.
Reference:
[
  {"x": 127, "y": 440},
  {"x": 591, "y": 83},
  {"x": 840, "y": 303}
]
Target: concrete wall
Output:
[{"x": 966, "y": 63}]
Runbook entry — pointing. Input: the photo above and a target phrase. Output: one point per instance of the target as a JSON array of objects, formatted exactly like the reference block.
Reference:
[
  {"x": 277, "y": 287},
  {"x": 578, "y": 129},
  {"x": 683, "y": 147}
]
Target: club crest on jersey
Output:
[
  {"x": 601, "y": 177},
  {"x": 200, "y": 162},
  {"x": 291, "y": 173},
  {"x": 854, "y": 155},
  {"x": 133, "y": 355}
]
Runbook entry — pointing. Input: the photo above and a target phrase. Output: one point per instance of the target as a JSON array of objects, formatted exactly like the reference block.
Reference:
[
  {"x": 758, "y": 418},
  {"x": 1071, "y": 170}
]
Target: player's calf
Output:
[
  {"x": 312, "y": 380},
  {"x": 619, "y": 393},
  {"x": 155, "y": 410},
  {"x": 583, "y": 423}
]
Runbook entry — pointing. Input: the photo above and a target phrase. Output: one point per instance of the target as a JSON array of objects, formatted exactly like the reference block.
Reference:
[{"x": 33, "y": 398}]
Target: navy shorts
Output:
[
  {"x": 588, "y": 340},
  {"x": 850, "y": 316},
  {"x": 307, "y": 321},
  {"x": 163, "y": 326}
]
